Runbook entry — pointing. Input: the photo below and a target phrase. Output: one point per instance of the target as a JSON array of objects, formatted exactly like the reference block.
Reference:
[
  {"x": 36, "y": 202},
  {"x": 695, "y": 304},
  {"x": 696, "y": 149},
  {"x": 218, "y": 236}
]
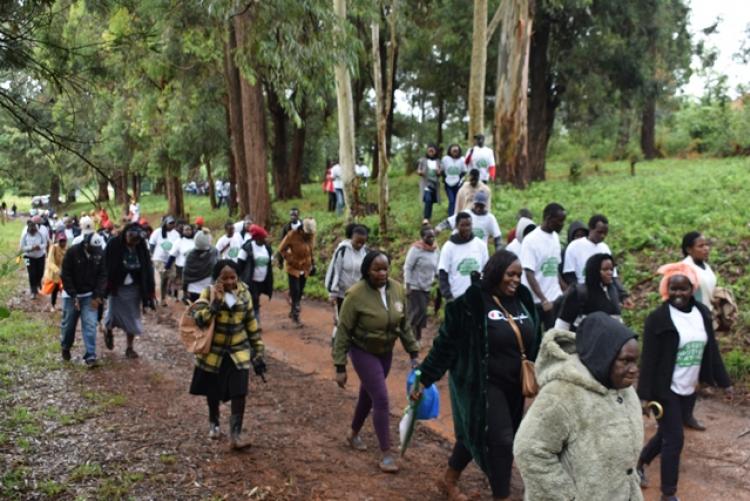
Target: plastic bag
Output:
[{"x": 429, "y": 405}]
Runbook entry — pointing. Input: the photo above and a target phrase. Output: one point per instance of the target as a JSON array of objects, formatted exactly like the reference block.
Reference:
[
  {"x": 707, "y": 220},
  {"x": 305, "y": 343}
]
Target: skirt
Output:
[
  {"x": 416, "y": 307},
  {"x": 124, "y": 310},
  {"x": 230, "y": 382}
]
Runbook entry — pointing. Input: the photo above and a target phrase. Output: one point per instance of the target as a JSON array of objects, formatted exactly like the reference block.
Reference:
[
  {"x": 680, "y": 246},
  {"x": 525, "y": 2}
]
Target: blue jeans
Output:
[
  {"x": 451, "y": 191},
  {"x": 70, "y": 317},
  {"x": 429, "y": 197},
  {"x": 339, "y": 201}
]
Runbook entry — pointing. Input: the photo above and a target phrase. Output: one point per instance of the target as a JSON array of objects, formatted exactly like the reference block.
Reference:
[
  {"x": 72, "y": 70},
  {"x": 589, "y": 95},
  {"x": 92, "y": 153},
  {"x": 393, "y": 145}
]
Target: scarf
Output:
[
  {"x": 420, "y": 244},
  {"x": 199, "y": 265}
]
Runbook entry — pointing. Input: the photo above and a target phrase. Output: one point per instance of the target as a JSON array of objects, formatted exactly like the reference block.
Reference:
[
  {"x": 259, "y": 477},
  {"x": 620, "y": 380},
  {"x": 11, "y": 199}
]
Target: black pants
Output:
[
  {"x": 331, "y": 201},
  {"x": 504, "y": 412},
  {"x": 254, "y": 288},
  {"x": 296, "y": 289},
  {"x": 53, "y": 295},
  {"x": 668, "y": 440},
  {"x": 35, "y": 269}
]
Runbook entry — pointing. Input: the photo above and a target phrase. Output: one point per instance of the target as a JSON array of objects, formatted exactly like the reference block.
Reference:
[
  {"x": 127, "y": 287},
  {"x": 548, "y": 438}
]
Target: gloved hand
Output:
[{"x": 259, "y": 366}]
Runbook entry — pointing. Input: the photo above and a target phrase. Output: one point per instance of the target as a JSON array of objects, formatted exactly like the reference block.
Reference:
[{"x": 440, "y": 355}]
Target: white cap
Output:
[{"x": 87, "y": 225}]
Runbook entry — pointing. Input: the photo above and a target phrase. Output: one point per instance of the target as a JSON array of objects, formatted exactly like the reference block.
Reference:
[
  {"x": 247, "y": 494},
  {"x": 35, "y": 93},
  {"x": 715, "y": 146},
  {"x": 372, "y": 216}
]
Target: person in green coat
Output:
[
  {"x": 372, "y": 318},
  {"x": 479, "y": 347}
]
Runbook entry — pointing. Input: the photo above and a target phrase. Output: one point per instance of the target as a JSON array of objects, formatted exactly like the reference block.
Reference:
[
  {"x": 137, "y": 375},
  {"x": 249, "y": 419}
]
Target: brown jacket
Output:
[{"x": 296, "y": 249}]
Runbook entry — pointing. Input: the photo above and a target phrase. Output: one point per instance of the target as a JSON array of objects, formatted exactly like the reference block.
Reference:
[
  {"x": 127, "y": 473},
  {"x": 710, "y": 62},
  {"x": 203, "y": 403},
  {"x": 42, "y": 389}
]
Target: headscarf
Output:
[
  {"x": 257, "y": 231},
  {"x": 599, "y": 340},
  {"x": 672, "y": 269}
]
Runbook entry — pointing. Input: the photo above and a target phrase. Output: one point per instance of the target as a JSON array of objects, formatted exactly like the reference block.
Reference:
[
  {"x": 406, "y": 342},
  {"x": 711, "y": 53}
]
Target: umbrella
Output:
[{"x": 406, "y": 426}]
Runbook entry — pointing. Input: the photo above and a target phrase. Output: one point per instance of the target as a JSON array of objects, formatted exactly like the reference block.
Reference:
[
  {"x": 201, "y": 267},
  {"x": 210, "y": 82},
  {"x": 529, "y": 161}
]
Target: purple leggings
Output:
[{"x": 373, "y": 393}]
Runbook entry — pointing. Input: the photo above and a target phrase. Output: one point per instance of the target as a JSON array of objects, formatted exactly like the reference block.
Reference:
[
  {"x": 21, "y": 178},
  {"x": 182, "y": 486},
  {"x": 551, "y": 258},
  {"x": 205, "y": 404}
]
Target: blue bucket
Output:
[{"x": 429, "y": 406}]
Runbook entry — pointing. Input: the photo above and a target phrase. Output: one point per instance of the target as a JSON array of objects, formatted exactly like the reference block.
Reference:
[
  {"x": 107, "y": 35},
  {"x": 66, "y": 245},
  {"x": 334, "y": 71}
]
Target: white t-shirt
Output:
[
  {"x": 162, "y": 246},
  {"x": 482, "y": 158},
  {"x": 362, "y": 171},
  {"x": 540, "y": 253},
  {"x": 181, "y": 249},
  {"x": 262, "y": 262},
  {"x": 514, "y": 247},
  {"x": 199, "y": 286},
  {"x": 578, "y": 252},
  {"x": 460, "y": 260},
  {"x": 483, "y": 226},
  {"x": 337, "y": 175},
  {"x": 230, "y": 247},
  {"x": 453, "y": 168},
  {"x": 135, "y": 213},
  {"x": 693, "y": 339},
  {"x": 706, "y": 283}
]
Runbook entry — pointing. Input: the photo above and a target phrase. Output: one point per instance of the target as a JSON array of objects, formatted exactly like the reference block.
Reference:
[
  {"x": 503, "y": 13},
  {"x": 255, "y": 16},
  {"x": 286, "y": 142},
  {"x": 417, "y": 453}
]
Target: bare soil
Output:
[{"x": 144, "y": 437}]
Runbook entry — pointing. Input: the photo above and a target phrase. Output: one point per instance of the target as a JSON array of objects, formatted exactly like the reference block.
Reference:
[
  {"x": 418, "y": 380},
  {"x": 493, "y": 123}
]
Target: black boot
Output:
[{"x": 236, "y": 439}]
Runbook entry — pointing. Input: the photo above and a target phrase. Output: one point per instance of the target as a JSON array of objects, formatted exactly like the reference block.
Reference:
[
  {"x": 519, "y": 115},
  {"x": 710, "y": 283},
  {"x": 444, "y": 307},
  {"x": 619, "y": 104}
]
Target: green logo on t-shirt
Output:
[
  {"x": 467, "y": 265},
  {"x": 691, "y": 354},
  {"x": 166, "y": 245},
  {"x": 261, "y": 262},
  {"x": 478, "y": 232},
  {"x": 453, "y": 170},
  {"x": 233, "y": 252},
  {"x": 549, "y": 266},
  {"x": 482, "y": 163}
]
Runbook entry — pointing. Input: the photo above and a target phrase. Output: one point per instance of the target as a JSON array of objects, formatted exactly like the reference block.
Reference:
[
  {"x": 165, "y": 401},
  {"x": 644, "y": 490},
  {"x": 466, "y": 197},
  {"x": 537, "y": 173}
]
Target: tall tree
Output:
[{"x": 478, "y": 71}]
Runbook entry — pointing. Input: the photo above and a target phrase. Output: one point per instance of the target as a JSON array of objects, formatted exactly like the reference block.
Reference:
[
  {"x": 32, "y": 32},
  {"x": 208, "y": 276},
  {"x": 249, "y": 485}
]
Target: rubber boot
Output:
[
  {"x": 236, "y": 439},
  {"x": 449, "y": 485}
]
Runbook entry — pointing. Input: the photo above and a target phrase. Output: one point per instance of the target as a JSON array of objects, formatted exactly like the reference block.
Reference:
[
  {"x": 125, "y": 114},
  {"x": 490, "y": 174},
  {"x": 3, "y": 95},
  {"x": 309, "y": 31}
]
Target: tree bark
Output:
[
  {"x": 136, "y": 185},
  {"x": 478, "y": 70},
  {"x": 233, "y": 104},
  {"x": 648, "y": 128},
  {"x": 511, "y": 97},
  {"x": 279, "y": 159},
  {"x": 298, "y": 151},
  {"x": 440, "y": 121},
  {"x": 543, "y": 99},
  {"x": 103, "y": 191},
  {"x": 121, "y": 188},
  {"x": 174, "y": 189},
  {"x": 54, "y": 191},
  {"x": 232, "y": 203},
  {"x": 254, "y": 129},
  {"x": 210, "y": 179},
  {"x": 345, "y": 117}
]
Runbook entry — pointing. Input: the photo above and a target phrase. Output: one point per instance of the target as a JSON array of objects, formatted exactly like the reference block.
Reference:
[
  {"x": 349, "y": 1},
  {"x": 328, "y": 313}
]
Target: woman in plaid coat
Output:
[{"x": 222, "y": 374}]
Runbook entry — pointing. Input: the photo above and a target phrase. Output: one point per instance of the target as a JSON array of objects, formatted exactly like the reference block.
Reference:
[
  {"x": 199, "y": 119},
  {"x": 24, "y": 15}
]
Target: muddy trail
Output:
[{"x": 129, "y": 429}]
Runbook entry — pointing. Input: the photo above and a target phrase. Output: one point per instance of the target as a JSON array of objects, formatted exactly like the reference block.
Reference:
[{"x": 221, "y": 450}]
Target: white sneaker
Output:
[{"x": 213, "y": 431}]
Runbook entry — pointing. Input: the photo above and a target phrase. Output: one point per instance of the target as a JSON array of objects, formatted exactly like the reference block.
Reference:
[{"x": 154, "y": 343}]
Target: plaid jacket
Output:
[{"x": 235, "y": 331}]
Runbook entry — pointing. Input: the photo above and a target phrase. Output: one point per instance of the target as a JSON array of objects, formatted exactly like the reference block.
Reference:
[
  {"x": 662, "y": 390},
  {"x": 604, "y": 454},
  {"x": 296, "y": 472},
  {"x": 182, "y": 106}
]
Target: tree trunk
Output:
[
  {"x": 623, "y": 133},
  {"x": 232, "y": 203},
  {"x": 478, "y": 70},
  {"x": 298, "y": 150},
  {"x": 233, "y": 104},
  {"x": 210, "y": 179},
  {"x": 345, "y": 117},
  {"x": 392, "y": 85},
  {"x": 543, "y": 99},
  {"x": 136, "y": 185},
  {"x": 121, "y": 188},
  {"x": 282, "y": 177},
  {"x": 254, "y": 128},
  {"x": 440, "y": 121},
  {"x": 511, "y": 103},
  {"x": 648, "y": 128},
  {"x": 175, "y": 202},
  {"x": 103, "y": 194},
  {"x": 54, "y": 191}
]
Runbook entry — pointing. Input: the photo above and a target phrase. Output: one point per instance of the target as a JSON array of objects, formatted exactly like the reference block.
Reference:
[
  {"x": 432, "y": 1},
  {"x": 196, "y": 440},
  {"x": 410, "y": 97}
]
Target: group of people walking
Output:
[{"x": 581, "y": 438}]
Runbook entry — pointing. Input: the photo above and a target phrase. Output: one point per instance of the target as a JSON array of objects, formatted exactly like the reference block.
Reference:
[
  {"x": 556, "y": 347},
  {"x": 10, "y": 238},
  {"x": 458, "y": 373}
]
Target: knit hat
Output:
[
  {"x": 672, "y": 269},
  {"x": 257, "y": 231},
  {"x": 480, "y": 197},
  {"x": 599, "y": 339},
  {"x": 200, "y": 221},
  {"x": 87, "y": 225},
  {"x": 202, "y": 241}
]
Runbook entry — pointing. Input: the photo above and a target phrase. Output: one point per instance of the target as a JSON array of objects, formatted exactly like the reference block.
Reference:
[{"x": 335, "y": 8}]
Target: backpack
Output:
[
  {"x": 725, "y": 309},
  {"x": 195, "y": 339}
]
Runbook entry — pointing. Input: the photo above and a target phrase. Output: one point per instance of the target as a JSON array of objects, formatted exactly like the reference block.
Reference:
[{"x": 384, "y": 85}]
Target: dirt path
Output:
[{"x": 131, "y": 430}]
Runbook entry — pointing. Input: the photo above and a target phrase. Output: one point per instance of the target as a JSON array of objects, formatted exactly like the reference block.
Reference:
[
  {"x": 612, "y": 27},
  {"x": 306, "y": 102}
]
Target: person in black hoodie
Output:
[
  {"x": 599, "y": 293},
  {"x": 255, "y": 263},
  {"x": 130, "y": 285},
  {"x": 679, "y": 351},
  {"x": 84, "y": 278}
]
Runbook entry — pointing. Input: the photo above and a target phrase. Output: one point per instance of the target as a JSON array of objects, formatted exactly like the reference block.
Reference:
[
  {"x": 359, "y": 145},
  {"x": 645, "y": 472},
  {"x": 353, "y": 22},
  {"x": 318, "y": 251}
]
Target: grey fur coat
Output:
[{"x": 579, "y": 439}]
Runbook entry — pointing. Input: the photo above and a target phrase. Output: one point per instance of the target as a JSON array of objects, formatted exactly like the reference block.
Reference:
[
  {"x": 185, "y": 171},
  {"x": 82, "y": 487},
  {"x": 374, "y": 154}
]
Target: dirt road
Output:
[{"x": 130, "y": 430}]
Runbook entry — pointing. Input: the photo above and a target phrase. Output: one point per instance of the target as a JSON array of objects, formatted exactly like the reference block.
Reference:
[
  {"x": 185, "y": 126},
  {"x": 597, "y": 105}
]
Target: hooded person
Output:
[
  {"x": 582, "y": 435},
  {"x": 199, "y": 264},
  {"x": 524, "y": 226},
  {"x": 346, "y": 263}
]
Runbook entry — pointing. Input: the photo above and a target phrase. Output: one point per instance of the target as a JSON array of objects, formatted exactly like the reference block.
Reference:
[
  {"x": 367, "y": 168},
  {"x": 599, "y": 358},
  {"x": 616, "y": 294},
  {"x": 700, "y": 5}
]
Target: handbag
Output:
[
  {"x": 195, "y": 339},
  {"x": 529, "y": 386}
]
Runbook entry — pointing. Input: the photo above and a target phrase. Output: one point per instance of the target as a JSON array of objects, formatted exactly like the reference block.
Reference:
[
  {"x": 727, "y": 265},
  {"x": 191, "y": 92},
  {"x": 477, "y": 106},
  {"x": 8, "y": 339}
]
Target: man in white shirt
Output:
[
  {"x": 362, "y": 172},
  {"x": 160, "y": 243},
  {"x": 540, "y": 258},
  {"x": 460, "y": 256},
  {"x": 338, "y": 187},
  {"x": 483, "y": 223},
  {"x": 483, "y": 158},
  {"x": 580, "y": 250}
]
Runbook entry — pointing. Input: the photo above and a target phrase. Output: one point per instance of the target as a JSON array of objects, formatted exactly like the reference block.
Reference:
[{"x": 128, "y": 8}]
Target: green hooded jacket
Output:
[{"x": 461, "y": 347}]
